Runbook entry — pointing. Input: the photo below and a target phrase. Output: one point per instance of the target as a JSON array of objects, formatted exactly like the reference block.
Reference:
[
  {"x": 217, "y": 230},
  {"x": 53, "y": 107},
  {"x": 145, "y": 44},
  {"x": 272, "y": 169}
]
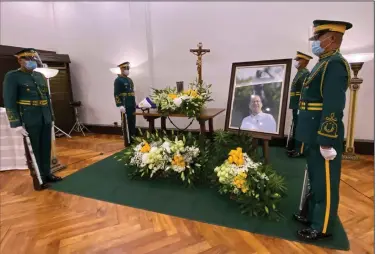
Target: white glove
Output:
[
  {"x": 22, "y": 130},
  {"x": 328, "y": 154},
  {"x": 122, "y": 109}
]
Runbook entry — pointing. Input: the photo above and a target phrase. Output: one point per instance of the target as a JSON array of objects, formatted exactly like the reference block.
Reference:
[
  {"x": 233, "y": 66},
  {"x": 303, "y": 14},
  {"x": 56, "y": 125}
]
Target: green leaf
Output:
[
  {"x": 266, "y": 209},
  {"x": 183, "y": 176}
]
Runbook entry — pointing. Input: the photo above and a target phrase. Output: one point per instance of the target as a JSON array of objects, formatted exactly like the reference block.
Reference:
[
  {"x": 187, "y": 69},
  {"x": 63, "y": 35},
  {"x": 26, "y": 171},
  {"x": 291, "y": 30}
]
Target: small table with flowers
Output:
[{"x": 207, "y": 115}]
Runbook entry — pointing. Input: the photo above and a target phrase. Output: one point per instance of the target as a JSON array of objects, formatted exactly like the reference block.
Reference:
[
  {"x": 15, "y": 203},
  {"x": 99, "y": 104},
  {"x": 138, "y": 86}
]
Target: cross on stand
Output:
[{"x": 199, "y": 52}]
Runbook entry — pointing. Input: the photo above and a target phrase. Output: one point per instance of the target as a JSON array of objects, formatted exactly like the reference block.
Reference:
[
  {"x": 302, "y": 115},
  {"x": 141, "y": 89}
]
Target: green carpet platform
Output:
[{"x": 107, "y": 180}]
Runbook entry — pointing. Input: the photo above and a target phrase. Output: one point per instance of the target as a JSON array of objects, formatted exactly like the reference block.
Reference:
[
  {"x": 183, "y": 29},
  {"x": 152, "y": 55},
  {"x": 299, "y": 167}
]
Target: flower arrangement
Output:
[
  {"x": 233, "y": 167},
  {"x": 154, "y": 155},
  {"x": 189, "y": 102},
  {"x": 256, "y": 186}
]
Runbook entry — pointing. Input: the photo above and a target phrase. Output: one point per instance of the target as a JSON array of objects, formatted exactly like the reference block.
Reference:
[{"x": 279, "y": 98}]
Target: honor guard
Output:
[
  {"x": 301, "y": 61},
  {"x": 27, "y": 103},
  {"x": 320, "y": 127},
  {"x": 125, "y": 100}
]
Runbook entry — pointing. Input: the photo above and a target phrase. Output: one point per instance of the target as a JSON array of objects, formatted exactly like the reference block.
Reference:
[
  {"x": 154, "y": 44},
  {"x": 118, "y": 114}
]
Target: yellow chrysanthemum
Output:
[
  {"x": 236, "y": 156},
  {"x": 172, "y": 95},
  {"x": 178, "y": 160},
  {"x": 191, "y": 93},
  {"x": 146, "y": 148}
]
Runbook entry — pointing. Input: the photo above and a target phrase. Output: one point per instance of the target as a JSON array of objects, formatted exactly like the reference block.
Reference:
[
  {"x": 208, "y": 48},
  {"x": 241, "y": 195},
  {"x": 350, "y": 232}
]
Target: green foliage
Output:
[
  {"x": 264, "y": 195},
  {"x": 265, "y": 188},
  {"x": 225, "y": 141}
]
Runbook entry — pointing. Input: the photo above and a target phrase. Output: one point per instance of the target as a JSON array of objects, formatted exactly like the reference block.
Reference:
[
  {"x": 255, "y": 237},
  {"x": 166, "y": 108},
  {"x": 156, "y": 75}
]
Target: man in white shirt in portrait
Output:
[{"x": 258, "y": 120}]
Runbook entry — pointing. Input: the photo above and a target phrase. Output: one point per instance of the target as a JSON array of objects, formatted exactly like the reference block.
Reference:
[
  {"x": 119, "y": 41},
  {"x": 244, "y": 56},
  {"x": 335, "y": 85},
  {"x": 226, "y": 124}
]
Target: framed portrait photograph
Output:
[{"x": 258, "y": 95}]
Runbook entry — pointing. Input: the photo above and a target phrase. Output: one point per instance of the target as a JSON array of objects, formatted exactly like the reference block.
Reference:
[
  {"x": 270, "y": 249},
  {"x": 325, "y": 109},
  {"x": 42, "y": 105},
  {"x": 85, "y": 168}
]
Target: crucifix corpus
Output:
[{"x": 199, "y": 52}]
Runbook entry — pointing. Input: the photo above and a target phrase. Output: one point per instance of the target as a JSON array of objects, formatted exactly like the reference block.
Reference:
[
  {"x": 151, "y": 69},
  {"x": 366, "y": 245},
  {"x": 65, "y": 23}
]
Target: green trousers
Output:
[
  {"x": 293, "y": 143},
  {"x": 130, "y": 122},
  {"x": 40, "y": 138},
  {"x": 324, "y": 177}
]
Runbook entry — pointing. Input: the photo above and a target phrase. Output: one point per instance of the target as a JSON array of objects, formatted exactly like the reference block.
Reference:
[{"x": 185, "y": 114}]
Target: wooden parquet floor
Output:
[{"x": 54, "y": 222}]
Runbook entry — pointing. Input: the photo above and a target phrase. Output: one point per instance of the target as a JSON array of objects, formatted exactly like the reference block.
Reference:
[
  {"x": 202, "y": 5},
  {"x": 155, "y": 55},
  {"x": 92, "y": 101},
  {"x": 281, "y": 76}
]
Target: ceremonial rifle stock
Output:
[
  {"x": 289, "y": 135},
  {"x": 32, "y": 164},
  {"x": 305, "y": 193},
  {"x": 125, "y": 128}
]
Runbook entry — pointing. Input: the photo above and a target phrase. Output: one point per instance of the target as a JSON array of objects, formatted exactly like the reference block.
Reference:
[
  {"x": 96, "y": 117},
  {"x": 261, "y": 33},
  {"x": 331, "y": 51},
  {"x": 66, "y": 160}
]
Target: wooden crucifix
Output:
[{"x": 199, "y": 52}]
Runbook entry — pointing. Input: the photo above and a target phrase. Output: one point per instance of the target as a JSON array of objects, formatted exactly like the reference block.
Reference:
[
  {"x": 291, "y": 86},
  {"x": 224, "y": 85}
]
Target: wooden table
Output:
[{"x": 207, "y": 115}]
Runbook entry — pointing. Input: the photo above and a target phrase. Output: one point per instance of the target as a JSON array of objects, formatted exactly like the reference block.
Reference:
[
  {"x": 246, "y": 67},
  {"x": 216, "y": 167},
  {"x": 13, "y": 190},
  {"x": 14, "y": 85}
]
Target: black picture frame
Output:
[{"x": 257, "y": 81}]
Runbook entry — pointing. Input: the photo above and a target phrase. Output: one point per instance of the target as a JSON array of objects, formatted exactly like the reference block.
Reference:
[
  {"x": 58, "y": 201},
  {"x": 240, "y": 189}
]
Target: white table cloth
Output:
[{"x": 12, "y": 151}]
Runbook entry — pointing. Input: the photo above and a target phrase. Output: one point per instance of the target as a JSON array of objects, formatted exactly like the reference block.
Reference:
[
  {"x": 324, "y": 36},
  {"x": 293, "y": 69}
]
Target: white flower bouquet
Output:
[
  {"x": 189, "y": 102},
  {"x": 163, "y": 157}
]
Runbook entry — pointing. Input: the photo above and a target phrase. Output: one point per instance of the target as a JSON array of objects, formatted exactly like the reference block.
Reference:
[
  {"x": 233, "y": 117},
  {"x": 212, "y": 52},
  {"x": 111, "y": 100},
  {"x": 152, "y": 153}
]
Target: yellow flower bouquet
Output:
[{"x": 257, "y": 187}]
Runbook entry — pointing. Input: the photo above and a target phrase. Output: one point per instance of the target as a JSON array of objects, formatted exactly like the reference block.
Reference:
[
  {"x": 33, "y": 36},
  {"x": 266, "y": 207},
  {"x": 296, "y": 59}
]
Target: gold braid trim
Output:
[
  {"x": 12, "y": 116},
  {"x": 329, "y": 128},
  {"x": 323, "y": 77},
  {"x": 311, "y": 77},
  {"x": 117, "y": 99},
  {"x": 347, "y": 68}
]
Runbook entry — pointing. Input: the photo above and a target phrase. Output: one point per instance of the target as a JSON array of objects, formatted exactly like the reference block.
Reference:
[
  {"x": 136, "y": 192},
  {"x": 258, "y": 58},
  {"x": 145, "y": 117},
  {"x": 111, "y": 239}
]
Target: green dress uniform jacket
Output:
[
  {"x": 296, "y": 87},
  {"x": 295, "y": 94},
  {"x": 125, "y": 96},
  {"x": 27, "y": 103},
  {"x": 322, "y": 102}
]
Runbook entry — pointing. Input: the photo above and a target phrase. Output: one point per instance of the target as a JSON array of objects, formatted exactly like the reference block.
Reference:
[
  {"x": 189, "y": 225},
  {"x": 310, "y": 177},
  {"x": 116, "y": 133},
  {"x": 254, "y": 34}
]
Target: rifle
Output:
[
  {"x": 125, "y": 126},
  {"x": 289, "y": 135},
  {"x": 32, "y": 164},
  {"x": 305, "y": 193}
]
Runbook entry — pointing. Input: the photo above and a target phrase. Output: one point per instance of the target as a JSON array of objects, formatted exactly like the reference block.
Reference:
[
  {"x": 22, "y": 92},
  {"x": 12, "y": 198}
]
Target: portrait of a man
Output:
[
  {"x": 258, "y": 95},
  {"x": 258, "y": 120}
]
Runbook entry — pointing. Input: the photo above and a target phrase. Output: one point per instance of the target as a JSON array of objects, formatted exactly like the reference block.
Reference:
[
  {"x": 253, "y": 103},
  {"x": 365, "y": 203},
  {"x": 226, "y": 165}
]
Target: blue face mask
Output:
[
  {"x": 30, "y": 65},
  {"x": 316, "y": 48}
]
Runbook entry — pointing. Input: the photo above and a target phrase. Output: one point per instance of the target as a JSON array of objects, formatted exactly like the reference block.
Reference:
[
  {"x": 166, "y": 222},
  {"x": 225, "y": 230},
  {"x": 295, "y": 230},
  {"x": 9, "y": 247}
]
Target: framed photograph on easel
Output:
[{"x": 258, "y": 95}]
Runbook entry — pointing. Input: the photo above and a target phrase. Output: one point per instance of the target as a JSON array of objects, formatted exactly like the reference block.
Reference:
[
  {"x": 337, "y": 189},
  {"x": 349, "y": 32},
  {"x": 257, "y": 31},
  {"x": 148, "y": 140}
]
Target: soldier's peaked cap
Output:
[
  {"x": 301, "y": 55},
  {"x": 26, "y": 52},
  {"x": 322, "y": 26},
  {"x": 125, "y": 64}
]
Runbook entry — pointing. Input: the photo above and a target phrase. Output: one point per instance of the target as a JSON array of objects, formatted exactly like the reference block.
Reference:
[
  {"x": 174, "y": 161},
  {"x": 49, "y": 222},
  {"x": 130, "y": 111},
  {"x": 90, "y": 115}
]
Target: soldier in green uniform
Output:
[
  {"x": 125, "y": 100},
  {"x": 27, "y": 103},
  {"x": 301, "y": 61},
  {"x": 320, "y": 128}
]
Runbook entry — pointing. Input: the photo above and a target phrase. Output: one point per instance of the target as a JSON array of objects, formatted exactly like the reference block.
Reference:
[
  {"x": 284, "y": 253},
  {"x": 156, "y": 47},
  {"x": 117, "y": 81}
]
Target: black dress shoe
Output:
[
  {"x": 294, "y": 154},
  {"x": 302, "y": 219},
  {"x": 289, "y": 151},
  {"x": 312, "y": 235},
  {"x": 52, "y": 178},
  {"x": 40, "y": 187}
]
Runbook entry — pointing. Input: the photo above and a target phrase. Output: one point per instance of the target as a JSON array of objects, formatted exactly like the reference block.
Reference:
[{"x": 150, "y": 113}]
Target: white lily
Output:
[{"x": 178, "y": 101}]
